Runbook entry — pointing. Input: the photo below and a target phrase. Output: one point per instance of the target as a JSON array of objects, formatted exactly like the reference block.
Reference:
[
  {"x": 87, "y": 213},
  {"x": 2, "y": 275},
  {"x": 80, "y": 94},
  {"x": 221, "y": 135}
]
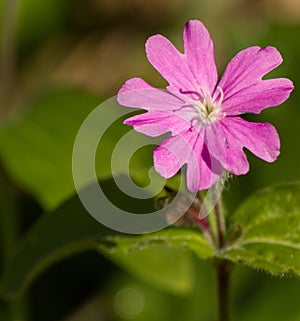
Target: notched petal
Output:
[
  {"x": 242, "y": 84},
  {"x": 199, "y": 54}
]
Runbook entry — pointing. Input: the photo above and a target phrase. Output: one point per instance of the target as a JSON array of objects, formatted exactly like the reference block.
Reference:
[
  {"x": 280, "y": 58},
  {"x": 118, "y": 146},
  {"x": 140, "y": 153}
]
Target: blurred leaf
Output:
[
  {"x": 270, "y": 226},
  {"x": 40, "y": 19},
  {"x": 175, "y": 266},
  {"x": 160, "y": 305},
  {"x": 37, "y": 151},
  {"x": 70, "y": 230},
  {"x": 57, "y": 235},
  {"x": 259, "y": 296},
  {"x": 146, "y": 254}
]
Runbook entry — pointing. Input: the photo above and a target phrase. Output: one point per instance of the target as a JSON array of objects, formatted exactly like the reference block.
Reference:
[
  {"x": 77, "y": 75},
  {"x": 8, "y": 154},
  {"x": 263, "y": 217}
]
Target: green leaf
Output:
[
  {"x": 57, "y": 235},
  {"x": 251, "y": 290},
  {"x": 174, "y": 237},
  {"x": 175, "y": 265},
  {"x": 269, "y": 228},
  {"x": 70, "y": 229},
  {"x": 164, "y": 251},
  {"x": 37, "y": 151}
]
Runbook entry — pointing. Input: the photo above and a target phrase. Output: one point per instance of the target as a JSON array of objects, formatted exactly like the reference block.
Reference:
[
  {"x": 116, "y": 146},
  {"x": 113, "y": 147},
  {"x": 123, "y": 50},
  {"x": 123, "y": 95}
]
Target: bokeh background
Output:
[{"x": 59, "y": 60}]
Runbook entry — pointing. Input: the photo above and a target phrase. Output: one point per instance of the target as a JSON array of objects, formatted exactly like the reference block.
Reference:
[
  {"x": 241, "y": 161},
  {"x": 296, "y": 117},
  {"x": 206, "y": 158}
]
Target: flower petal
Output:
[
  {"x": 170, "y": 63},
  {"x": 227, "y": 138},
  {"x": 242, "y": 84},
  {"x": 185, "y": 72},
  {"x": 137, "y": 93},
  {"x": 175, "y": 151},
  {"x": 226, "y": 147},
  {"x": 207, "y": 166},
  {"x": 199, "y": 53},
  {"x": 134, "y": 84},
  {"x": 167, "y": 156},
  {"x": 156, "y": 123},
  {"x": 254, "y": 99},
  {"x": 260, "y": 138}
]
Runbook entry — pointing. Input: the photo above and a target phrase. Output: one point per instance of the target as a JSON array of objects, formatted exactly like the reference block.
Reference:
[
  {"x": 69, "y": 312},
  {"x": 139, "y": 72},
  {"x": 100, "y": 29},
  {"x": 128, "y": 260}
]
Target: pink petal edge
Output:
[
  {"x": 242, "y": 84},
  {"x": 191, "y": 70}
]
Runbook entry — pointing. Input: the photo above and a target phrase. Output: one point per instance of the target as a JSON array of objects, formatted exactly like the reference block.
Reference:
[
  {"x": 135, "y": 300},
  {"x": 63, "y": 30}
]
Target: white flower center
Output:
[{"x": 205, "y": 109}]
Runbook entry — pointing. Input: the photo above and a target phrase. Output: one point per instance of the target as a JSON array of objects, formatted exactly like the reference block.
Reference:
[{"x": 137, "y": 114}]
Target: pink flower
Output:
[{"x": 207, "y": 133}]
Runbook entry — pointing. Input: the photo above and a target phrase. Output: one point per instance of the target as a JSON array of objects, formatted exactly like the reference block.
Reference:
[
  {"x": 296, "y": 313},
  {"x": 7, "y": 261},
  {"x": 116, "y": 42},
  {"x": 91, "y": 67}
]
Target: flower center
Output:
[{"x": 205, "y": 109}]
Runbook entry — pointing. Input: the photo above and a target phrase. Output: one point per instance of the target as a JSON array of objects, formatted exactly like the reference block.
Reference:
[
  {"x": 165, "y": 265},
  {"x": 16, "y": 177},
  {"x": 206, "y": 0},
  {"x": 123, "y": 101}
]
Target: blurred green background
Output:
[{"x": 59, "y": 60}]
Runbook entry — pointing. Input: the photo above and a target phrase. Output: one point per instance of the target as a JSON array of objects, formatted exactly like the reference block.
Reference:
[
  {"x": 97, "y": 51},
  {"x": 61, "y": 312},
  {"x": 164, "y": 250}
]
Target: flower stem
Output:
[
  {"x": 223, "y": 280},
  {"x": 222, "y": 266},
  {"x": 219, "y": 224}
]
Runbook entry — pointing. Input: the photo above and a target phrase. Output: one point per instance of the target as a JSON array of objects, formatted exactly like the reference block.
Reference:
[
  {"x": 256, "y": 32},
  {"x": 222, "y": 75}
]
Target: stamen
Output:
[
  {"x": 190, "y": 92},
  {"x": 188, "y": 105},
  {"x": 206, "y": 108},
  {"x": 203, "y": 89},
  {"x": 206, "y": 95},
  {"x": 219, "y": 103}
]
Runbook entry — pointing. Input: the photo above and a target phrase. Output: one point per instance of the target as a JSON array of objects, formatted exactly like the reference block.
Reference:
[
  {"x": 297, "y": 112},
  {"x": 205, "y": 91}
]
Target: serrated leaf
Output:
[
  {"x": 270, "y": 231},
  {"x": 175, "y": 237}
]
